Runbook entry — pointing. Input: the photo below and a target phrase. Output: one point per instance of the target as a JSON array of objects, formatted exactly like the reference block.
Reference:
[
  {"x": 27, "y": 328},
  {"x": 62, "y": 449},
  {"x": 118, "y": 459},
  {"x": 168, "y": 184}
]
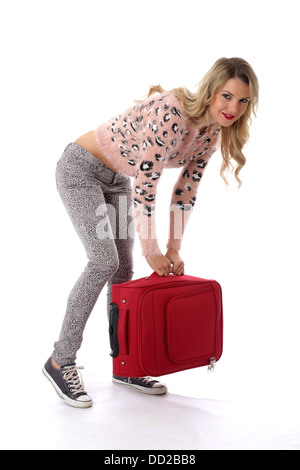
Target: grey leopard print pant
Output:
[{"x": 98, "y": 202}]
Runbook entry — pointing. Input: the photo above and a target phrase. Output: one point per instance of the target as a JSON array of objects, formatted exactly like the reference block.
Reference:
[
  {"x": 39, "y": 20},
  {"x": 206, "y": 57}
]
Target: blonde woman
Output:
[{"x": 169, "y": 129}]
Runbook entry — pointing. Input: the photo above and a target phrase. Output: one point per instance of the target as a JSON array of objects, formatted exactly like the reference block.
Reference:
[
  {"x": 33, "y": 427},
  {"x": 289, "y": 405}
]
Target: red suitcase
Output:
[{"x": 161, "y": 325}]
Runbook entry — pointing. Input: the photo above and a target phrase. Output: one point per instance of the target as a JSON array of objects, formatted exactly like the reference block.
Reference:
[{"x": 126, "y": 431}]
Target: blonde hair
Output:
[{"x": 196, "y": 105}]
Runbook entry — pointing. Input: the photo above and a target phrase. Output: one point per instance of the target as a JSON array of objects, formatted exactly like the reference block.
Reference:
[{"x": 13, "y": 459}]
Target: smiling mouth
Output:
[{"x": 228, "y": 116}]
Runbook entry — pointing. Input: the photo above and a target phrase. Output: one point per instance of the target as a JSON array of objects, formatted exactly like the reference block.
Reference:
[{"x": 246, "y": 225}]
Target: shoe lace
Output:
[
  {"x": 148, "y": 380},
  {"x": 73, "y": 378}
]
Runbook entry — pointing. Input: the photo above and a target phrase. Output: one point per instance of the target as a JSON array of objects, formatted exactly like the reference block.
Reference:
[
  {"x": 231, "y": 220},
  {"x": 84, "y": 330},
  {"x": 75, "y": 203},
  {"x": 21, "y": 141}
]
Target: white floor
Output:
[
  {"x": 251, "y": 401},
  {"x": 200, "y": 411}
]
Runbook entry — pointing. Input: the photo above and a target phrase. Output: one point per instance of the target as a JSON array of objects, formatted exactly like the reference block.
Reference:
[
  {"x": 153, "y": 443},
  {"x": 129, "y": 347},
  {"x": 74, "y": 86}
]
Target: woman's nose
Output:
[{"x": 233, "y": 108}]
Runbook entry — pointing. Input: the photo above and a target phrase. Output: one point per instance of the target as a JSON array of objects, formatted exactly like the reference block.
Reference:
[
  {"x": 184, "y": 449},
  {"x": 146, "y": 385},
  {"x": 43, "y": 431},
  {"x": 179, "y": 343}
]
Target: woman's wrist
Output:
[{"x": 172, "y": 251}]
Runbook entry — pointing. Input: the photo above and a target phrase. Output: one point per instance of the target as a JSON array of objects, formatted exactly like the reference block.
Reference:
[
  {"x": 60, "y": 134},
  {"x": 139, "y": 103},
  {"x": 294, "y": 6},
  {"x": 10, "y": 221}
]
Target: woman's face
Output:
[{"x": 230, "y": 102}]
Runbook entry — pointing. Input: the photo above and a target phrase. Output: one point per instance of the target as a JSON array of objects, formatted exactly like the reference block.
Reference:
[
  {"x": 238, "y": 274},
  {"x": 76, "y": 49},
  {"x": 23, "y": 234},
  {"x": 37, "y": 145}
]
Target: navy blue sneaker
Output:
[
  {"x": 68, "y": 384},
  {"x": 141, "y": 384}
]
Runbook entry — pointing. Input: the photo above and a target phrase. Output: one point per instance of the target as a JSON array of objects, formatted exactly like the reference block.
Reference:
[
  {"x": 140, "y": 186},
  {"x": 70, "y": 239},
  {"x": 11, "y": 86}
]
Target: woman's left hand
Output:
[{"x": 177, "y": 262}]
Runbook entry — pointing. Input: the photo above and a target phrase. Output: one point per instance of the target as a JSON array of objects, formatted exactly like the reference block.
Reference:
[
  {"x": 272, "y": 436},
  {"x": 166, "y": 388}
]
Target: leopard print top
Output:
[{"x": 152, "y": 135}]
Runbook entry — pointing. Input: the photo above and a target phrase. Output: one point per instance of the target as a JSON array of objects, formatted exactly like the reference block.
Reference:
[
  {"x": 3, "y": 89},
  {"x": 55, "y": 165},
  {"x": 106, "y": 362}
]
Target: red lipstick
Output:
[{"x": 228, "y": 116}]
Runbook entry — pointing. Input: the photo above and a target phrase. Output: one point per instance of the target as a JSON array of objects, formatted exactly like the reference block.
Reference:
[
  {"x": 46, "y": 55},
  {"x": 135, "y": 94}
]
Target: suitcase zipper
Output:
[{"x": 212, "y": 363}]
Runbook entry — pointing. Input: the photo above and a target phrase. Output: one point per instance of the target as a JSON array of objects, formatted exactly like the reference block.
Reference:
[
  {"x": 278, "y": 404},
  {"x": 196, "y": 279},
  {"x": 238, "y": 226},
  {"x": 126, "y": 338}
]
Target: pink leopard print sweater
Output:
[{"x": 150, "y": 136}]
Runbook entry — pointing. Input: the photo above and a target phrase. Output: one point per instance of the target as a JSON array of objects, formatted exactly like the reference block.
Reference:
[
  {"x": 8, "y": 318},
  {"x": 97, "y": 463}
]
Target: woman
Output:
[{"x": 174, "y": 128}]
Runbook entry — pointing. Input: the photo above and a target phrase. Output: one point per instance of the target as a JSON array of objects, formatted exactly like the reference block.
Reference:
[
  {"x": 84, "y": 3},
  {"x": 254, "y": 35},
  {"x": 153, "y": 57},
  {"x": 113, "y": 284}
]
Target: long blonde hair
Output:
[{"x": 196, "y": 105}]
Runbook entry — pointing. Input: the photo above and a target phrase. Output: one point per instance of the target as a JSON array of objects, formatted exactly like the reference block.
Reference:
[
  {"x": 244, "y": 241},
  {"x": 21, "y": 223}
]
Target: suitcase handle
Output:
[
  {"x": 113, "y": 330},
  {"x": 154, "y": 274},
  {"x": 118, "y": 330}
]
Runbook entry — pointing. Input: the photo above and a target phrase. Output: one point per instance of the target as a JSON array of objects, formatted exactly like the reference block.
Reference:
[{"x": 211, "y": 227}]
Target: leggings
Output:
[{"x": 99, "y": 203}]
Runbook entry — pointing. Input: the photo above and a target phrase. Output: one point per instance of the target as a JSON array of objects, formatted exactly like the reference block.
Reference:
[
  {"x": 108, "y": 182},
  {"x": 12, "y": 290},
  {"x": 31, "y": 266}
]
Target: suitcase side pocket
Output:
[{"x": 191, "y": 325}]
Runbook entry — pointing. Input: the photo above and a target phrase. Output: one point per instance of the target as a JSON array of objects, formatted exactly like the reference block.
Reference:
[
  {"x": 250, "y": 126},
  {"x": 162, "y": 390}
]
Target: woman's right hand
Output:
[{"x": 160, "y": 264}]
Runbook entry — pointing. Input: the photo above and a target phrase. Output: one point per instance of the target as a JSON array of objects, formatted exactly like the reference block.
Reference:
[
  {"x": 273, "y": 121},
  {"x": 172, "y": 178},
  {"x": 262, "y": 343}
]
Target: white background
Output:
[{"x": 69, "y": 65}]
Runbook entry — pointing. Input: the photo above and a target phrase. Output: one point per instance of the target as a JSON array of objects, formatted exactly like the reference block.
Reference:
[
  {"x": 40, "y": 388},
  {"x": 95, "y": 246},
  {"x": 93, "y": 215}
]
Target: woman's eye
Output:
[
  {"x": 244, "y": 100},
  {"x": 226, "y": 96}
]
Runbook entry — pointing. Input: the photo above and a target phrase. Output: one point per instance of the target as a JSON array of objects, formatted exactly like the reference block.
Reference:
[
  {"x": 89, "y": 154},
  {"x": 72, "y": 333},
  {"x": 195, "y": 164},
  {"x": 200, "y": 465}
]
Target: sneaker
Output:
[
  {"x": 68, "y": 384},
  {"x": 142, "y": 384}
]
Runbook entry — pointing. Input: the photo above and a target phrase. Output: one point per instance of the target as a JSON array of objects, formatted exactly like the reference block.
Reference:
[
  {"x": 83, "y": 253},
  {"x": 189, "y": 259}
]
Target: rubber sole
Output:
[{"x": 148, "y": 391}]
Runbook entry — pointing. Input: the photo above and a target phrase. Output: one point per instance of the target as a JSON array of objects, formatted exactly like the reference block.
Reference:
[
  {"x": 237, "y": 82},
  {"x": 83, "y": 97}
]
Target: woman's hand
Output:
[
  {"x": 160, "y": 264},
  {"x": 177, "y": 263}
]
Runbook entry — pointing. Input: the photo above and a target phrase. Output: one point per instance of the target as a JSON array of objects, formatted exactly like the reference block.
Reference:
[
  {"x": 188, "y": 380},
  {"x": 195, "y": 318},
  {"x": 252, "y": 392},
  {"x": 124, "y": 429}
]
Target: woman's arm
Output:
[
  {"x": 185, "y": 190},
  {"x": 161, "y": 131}
]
